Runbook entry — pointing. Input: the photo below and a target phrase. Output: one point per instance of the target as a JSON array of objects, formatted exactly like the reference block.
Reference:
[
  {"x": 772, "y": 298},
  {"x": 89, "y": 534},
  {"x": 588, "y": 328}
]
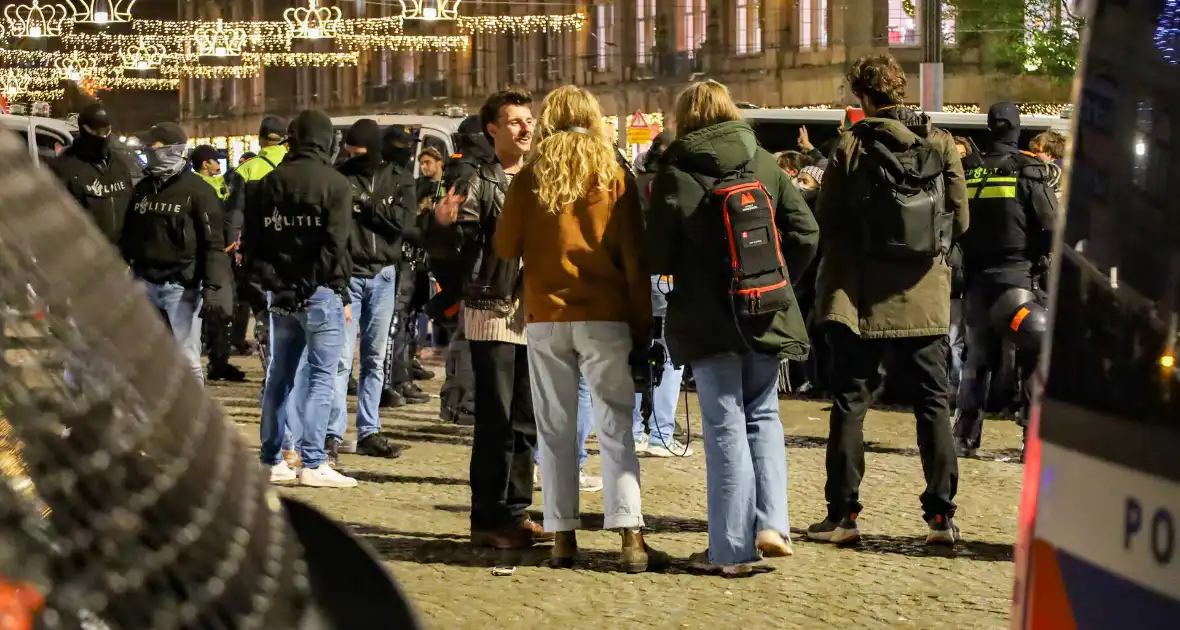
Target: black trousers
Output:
[
  {"x": 505, "y": 435},
  {"x": 405, "y": 330},
  {"x": 920, "y": 363},
  {"x": 458, "y": 391},
  {"x": 218, "y": 333},
  {"x": 241, "y": 321}
]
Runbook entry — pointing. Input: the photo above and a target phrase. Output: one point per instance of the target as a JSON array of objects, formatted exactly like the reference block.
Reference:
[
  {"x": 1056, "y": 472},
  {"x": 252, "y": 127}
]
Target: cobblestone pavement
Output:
[{"x": 413, "y": 511}]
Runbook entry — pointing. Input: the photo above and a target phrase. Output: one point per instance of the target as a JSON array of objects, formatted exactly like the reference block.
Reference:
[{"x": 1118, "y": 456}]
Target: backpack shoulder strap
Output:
[{"x": 267, "y": 160}]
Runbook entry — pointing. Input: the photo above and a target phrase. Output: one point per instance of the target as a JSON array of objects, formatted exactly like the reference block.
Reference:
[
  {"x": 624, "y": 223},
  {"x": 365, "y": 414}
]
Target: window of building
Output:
[
  {"x": 748, "y": 25},
  {"x": 813, "y": 24},
  {"x": 694, "y": 18},
  {"x": 601, "y": 35},
  {"x": 645, "y": 31},
  {"x": 517, "y": 61},
  {"x": 407, "y": 60},
  {"x": 552, "y": 49},
  {"x": 905, "y": 27}
]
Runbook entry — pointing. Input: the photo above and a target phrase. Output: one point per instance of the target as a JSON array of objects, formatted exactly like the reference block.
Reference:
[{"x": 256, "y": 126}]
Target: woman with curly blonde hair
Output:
[{"x": 572, "y": 215}]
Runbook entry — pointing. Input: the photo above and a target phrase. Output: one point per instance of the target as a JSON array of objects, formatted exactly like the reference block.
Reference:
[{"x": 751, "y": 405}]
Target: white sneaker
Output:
[
  {"x": 281, "y": 472},
  {"x": 589, "y": 483},
  {"x": 670, "y": 447},
  {"x": 641, "y": 445},
  {"x": 325, "y": 477}
]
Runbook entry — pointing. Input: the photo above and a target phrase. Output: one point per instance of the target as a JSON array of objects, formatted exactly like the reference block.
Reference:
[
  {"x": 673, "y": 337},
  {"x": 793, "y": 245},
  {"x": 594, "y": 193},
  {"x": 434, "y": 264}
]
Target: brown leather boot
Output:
[
  {"x": 565, "y": 550},
  {"x": 637, "y": 557}
]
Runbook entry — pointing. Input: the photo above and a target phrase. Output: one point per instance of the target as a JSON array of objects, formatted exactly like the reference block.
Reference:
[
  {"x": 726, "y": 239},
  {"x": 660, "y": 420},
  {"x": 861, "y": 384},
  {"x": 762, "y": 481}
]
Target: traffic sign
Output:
[{"x": 638, "y": 131}]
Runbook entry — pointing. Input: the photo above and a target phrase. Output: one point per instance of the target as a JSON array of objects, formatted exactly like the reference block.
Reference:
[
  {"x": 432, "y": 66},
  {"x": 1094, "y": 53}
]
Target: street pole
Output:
[{"x": 931, "y": 73}]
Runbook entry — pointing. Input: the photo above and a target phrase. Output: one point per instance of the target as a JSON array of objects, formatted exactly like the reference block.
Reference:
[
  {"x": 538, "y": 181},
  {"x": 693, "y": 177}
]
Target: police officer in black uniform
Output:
[{"x": 1013, "y": 214}]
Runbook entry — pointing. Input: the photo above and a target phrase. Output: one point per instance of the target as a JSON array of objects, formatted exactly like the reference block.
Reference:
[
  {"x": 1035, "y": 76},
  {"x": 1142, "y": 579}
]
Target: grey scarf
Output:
[{"x": 166, "y": 162}]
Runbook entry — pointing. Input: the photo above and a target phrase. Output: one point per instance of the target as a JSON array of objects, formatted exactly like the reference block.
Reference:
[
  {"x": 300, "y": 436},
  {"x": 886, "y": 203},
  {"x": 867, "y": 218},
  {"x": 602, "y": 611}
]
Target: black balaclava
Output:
[
  {"x": 1003, "y": 121},
  {"x": 397, "y": 145},
  {"x": 87, "y": 145},
  {"x": 365, "y": 133}
]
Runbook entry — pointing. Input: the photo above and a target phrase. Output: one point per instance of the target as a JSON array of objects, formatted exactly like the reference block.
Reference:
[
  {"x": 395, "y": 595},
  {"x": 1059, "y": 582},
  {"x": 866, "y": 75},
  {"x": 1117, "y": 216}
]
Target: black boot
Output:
[
  {"x": 391, "y": 398},
  {"x": 412, "y": 393},
  {"x": 225, "y": 372},
  {"x": 418, "y": 372}
]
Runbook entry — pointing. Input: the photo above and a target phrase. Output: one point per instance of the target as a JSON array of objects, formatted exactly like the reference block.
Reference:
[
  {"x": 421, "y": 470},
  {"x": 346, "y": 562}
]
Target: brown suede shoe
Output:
[
  {"x": 509, "y": 538},
  {"x": 565, "y": 550},
  {"x": 536, "y": 530},
  {"x": 637, "y": 557}
]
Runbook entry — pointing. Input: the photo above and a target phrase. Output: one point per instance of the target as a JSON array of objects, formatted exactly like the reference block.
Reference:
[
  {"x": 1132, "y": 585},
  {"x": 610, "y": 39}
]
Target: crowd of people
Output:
[{"x": 572, "y": 289}]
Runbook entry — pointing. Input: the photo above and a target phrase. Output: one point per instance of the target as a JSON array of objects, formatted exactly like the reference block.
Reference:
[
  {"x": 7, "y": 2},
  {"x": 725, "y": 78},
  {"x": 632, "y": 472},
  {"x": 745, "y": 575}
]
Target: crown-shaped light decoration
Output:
[
  {"x": 13, "y": 84},
  {"x": 430, "y": 9},
  {"x": 101, "y": 12},
  {"x": 74, "y": 66},
  {"x": 35, "y": 20},
  {"x": 313, "y": 21},
  {"x": 219, "y": 39},
  {"x": 142, "y": 56}
]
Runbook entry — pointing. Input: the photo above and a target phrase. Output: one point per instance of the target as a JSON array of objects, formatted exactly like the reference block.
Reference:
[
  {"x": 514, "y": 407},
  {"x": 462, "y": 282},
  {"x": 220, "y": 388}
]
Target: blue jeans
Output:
[
  {"x": 318, "y": 329},
  {"x": 585, "y": 424},
  {"x": 665, "y": 397},
  {"x": 745, "y": 455},
  {"x": 374, "y": 301},
  {"x": 181, "y": 309}
]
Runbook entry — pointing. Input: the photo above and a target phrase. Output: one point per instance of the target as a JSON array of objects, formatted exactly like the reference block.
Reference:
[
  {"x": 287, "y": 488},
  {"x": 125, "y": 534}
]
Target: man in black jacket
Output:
[
  {"x": 1014, "y": 213},
  {"x": 383, "y": 200},
  {"x": 174, "y": 243},
  {"x": 98, "y": 180},
  {"x": 295, "y": 246}
]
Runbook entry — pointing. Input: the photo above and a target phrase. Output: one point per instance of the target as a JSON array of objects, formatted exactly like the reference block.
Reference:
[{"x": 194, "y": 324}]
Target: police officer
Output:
[
  {"x": 93, "y": 175},
  {"x": 1013, "y": 213},
  {"x": 272, "y": 136},
  {"x": 397, "y": 147},
  {"x": 206, "y": 162},
  {"x": 174, "y": 242}
]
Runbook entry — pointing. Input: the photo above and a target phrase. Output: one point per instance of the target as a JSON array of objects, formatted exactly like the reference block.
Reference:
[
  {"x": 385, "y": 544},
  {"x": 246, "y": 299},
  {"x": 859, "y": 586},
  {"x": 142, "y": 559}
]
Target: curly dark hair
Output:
[
  {"x": 878, "y": 78},
  {"x": 1050, "y": 142},
  {"x": 490, "y": 111}
]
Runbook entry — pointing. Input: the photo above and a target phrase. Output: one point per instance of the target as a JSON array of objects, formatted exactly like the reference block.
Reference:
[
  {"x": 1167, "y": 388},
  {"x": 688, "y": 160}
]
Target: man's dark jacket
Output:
[
  {"x": 383, "y": 204},
  {"x": 98, "y": 180}
]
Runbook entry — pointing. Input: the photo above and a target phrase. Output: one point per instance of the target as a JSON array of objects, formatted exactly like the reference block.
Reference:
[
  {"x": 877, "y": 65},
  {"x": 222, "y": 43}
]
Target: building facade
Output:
[{"x": 635, "y": 55}]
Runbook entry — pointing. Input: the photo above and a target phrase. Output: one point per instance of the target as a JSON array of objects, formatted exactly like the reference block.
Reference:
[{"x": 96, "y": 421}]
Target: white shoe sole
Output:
[
  {"x": 838, "y": 536},
  {"x": 316, "y": 482},
  {"x": 283, "y": 478}
]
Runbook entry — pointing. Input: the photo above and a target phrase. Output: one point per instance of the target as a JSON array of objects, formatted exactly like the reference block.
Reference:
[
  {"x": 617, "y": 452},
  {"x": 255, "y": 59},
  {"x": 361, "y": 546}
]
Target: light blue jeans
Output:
[
  {"x": 662, "y": 425},
  {"x": 585, "y": 424},
  {"x": 745, "y": 454},
  {"x": 374, "y": 301},
  {"x": 560, "y": 354},
  {"x": 318, "y": 329},
  {"x": 181, "y": 309}
]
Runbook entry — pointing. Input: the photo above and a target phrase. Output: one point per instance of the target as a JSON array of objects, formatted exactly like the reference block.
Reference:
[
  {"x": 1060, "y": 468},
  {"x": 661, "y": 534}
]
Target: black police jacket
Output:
[
  {"x": 173, "y": 233},
  {"x": 384, "y": 202},
  {"x": 485, "y": 278},
  {"x": 1013, "y": 214},
  {"x": 100, "y": 182},
  {"x": 297, "y": 227}
]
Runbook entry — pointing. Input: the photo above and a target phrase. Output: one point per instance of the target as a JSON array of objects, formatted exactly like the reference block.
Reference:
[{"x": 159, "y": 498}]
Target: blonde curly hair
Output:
[{"x": 572, "y": 155}]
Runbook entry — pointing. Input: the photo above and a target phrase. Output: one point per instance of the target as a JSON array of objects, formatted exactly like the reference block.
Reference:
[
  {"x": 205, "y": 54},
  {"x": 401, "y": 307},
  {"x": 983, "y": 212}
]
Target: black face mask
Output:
[
  {"x": 90, "y": 145},
  {"x": 400, "y": 156}
]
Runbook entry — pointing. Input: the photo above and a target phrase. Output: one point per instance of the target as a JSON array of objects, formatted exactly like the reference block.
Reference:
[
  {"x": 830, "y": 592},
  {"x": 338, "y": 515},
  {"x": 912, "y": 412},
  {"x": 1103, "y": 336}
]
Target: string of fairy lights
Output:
[{"x": 98, "y": 44}]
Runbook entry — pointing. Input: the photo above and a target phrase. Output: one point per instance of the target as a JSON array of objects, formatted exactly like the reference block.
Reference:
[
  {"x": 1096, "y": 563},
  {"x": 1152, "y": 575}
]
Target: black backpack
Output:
[
  {"x": 759, "y": 283},
  {"x": 905, "y": 214}
]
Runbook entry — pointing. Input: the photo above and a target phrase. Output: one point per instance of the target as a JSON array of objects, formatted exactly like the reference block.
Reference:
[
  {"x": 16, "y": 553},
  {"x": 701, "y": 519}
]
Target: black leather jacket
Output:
[{"x": 488, "y": 281}]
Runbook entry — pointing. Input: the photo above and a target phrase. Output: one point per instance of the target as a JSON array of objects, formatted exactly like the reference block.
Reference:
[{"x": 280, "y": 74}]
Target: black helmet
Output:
[{"x": 1020, "y": 319}]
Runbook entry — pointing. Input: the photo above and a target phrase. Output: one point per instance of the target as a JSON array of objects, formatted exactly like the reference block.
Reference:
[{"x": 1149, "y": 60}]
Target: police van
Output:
[
  {"x": 46, "y": 137},
  {"x": 441, "y": 128}
]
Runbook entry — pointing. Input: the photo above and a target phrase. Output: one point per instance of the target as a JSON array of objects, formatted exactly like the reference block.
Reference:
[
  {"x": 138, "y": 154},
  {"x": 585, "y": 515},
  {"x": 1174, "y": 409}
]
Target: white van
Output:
[
  {"x": 46, "y": 137},
  {"x": 778, "y": 129},
  {"x": 443, "y": 128}
]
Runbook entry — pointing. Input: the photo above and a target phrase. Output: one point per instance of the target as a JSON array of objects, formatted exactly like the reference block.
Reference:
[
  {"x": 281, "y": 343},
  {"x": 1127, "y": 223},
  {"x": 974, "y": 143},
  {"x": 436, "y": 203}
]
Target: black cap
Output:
[
  {"x": 471, "y": 126},
  {"x": 203, "y": 154},
  {"x": 272, "y": 128},
  {"x": 94, "y": 116},
  {"x": 364, "y": 133},
  {"x": 1003, "y": 111},
  {"x": 168, "y": 133},
  {"x": 400, "y": 136},
  {"x": 246, "y": 156}
]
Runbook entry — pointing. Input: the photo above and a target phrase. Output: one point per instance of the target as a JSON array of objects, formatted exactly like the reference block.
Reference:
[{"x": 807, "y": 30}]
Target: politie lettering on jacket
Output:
[
  {"x": 146, "y": 205},
  {"x": 278, "y": 222},
  {"x": 99, "y": 189}
]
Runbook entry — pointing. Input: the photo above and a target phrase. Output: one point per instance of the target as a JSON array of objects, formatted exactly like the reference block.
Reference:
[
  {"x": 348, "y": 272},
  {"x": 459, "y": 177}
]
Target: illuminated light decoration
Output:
[
  {"x": 132, "y": 83},
  {"x": 142, "y": 56},
  {"x": 1167, "y": 32},
  {"x": 199, "y": 71},
  {"x": 411, "y": 43},
  {"x": 295, "y": 59},
  {"x": 43, "y": 95},
  {"x": 430, "y": 9},
  {"x": 219, "y": 40},
  {"x": 108, "y": 43},
  {"x": 260, "y": 36},
  {"x": 74, "y": 67},
  {"x": 313, "y": 21},
  {"x": 35, "y": 20},
  {"x": 373, "y": 26},
  {"x": 101, "y": 12},
  {"x": 523, "y": 24},
  {"x": 13, "y": 84}
]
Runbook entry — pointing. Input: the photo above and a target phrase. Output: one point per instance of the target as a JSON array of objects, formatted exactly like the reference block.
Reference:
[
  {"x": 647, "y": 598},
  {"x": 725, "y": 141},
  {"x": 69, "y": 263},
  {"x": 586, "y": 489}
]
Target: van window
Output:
[{"x": 49, "y": 144}]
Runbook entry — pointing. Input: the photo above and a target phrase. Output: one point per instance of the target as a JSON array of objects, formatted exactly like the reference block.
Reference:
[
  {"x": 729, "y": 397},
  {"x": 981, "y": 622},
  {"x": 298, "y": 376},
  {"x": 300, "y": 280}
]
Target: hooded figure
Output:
[
  {"x": 94, "y": 175},
  {"x": 295, "y": 245},
  {"x": 397, "y": 146},
  {"x": 174, "y": 242}
]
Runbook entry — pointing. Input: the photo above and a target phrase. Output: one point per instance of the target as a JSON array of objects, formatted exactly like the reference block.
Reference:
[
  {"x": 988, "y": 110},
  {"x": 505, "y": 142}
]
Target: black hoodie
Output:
[
  {"x": 384, "y": 200},
  {"x": 98, "y": 180},
  {"x": 295, "y": 237}
]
